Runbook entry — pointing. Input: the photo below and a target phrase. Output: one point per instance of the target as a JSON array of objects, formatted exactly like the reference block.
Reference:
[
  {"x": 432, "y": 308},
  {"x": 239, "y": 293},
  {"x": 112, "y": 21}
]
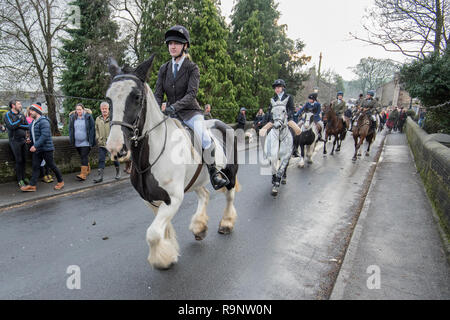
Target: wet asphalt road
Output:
[{"x": 283, "y": 248}]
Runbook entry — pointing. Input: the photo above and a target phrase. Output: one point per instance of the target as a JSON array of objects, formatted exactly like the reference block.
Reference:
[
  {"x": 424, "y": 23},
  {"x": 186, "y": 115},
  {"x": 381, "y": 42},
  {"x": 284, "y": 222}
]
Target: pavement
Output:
[
  {"x": 397, "y": 250},
  {"x": 11, "y": 195}
]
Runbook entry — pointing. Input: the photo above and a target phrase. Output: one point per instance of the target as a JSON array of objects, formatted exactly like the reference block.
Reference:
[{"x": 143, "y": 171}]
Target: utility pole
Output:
[{"x": 318, "y": 72}]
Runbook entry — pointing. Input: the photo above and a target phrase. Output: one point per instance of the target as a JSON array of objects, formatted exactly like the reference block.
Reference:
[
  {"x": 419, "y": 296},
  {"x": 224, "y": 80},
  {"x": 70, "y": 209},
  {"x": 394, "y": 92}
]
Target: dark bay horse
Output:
[
  {"x": 362, "y": 131},
  {"x": 335, "y": 127}
]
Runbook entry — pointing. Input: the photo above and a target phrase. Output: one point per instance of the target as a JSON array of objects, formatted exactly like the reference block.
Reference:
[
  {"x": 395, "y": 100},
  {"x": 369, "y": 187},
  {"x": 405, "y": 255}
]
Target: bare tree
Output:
[
  {"x": 129, "y": 14},
  {"x": 414, "y": 28},
  {"x": 373, "y": 73},
  {"x": 28, "y": 35}
]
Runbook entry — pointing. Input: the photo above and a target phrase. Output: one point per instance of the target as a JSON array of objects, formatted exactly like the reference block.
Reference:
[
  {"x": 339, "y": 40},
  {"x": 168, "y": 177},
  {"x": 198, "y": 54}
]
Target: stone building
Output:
[
  {"x": 327, "y": 91},
  {"x": 392, "y": 94}
]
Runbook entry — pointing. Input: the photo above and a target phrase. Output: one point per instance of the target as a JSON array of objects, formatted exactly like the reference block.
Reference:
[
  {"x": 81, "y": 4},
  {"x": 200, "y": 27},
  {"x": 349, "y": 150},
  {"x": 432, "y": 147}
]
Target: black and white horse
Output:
[
  {"x": 307, "y": 139},
  {"x": 165, "y": 163}
]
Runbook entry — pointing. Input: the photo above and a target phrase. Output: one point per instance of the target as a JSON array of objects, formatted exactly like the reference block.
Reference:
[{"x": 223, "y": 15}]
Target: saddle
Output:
[{"x": 196, "y": 142}]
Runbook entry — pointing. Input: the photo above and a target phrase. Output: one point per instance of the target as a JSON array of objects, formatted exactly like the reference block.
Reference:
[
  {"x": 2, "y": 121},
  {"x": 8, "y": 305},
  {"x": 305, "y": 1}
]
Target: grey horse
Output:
[{"x": 278, "y": 147}]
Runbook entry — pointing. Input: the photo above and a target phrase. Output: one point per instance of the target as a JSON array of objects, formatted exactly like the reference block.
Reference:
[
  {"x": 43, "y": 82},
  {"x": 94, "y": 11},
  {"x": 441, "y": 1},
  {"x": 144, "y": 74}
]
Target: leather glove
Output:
[{"x": 170, "y": 111}]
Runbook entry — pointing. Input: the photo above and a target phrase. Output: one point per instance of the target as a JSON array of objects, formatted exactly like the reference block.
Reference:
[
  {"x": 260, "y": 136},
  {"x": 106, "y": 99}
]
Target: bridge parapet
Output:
[{"x": 433, "y": 163}]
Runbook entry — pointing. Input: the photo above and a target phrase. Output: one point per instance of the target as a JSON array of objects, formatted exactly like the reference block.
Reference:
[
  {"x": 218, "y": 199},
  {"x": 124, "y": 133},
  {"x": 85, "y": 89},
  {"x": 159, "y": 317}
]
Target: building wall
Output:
[{"x": 392, "y": 94}]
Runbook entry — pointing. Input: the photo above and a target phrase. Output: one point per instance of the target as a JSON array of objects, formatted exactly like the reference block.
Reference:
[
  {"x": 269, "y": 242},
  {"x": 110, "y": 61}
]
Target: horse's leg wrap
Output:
[
  {"x": 294, "y": 127},
  {"x": 267, "y": 127}
]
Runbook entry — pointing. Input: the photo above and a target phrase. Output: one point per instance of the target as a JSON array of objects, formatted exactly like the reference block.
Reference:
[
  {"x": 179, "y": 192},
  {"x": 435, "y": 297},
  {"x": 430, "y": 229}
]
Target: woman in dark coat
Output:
[{"x": 179, "y": 80}]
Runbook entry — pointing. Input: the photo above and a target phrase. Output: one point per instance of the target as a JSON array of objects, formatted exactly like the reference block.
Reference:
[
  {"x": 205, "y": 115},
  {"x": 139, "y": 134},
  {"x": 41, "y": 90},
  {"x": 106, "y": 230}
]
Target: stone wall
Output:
[
  {"x": 433, "y": 162},
  {"x": 66, "y": 158}
]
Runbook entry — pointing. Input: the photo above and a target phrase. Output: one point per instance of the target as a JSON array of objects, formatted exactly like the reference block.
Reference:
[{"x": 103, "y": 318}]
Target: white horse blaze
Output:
[{"x": 118, "y": 93}]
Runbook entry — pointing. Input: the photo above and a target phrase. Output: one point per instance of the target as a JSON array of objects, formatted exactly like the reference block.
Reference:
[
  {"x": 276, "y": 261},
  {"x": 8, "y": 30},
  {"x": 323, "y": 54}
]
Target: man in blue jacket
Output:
[
  {"x": 42, "y": 148},
  {"x": 17, "y": 127}
]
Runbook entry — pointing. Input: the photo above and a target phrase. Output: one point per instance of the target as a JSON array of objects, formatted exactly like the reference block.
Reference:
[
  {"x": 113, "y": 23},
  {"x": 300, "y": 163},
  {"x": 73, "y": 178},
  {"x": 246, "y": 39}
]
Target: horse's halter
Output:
[{"x": 138, "y": 136}]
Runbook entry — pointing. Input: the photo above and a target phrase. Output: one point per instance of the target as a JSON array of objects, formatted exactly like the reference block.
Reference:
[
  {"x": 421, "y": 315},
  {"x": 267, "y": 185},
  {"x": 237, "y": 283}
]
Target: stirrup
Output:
[{"x": 223, "y": 176}]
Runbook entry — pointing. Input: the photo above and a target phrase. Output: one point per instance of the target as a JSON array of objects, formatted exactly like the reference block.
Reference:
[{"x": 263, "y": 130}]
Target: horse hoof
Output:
[
  {"x": 274, "y": 192},
  {"x": 332, "y": 154},
  {"x": 309, "y": 162},
  {"x": 367, "y": 154},
  {"x": 201, "y": 236},
  {"x": 225, "y": 230},
  {"x": 354, "y": 159},
  {"x": 284, "y": 181}
]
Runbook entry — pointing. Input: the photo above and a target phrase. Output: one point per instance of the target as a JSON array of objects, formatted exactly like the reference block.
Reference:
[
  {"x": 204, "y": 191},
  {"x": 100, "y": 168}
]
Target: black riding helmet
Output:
[
  {"x": 313, "y": 96},
  {"x": 179, "y": 34},
  {"x": 279, "y": 83}
]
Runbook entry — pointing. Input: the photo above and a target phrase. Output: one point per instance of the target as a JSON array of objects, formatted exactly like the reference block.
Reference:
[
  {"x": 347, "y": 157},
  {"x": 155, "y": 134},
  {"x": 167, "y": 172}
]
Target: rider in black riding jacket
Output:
[{"x": 179, "y": 79}]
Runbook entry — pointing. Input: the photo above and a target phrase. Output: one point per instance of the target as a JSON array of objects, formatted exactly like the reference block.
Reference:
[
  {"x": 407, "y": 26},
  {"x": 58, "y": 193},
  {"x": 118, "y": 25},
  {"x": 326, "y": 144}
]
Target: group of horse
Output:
[
  {"x": 278, "y": 146},
  {"x": 141, "y": 131}
]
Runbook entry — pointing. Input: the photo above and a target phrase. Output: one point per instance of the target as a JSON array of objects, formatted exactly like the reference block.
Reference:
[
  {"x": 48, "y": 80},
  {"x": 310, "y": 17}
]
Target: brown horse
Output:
[
  {"x": 335, "y": 127},
  {"x": 362, "y": 131}
]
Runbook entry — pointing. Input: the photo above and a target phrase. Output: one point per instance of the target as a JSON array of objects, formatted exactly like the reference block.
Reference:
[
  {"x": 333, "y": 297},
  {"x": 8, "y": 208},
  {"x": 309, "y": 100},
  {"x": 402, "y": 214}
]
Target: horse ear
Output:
[
  {"x": 142, "y": 71},
  {"x": 114, "y": 68}
]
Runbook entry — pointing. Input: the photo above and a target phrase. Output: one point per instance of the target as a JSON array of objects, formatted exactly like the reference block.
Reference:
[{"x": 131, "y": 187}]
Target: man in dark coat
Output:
[{"x": 17, "y": 127}]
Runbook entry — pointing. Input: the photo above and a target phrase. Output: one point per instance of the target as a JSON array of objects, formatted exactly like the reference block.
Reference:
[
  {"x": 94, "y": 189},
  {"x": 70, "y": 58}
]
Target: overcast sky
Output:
[{"x": 324, "y": 26}]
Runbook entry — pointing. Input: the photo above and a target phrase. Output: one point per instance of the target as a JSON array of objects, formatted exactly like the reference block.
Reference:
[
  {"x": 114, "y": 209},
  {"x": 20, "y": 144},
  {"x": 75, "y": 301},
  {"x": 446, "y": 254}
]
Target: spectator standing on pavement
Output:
[
  {"x": 42, "y": 148},
  {"x": 259, "y": 121},
  {"x": 82, "y": 136},
  {"x": 207, "y": 114},
  {"x": 242, "y": 119},
  {"x": 45, "y": 170},
  {"x": 17, "y": 126},
  {"x": 401, "y": 119},
  {"x": 102, "y": 128}
]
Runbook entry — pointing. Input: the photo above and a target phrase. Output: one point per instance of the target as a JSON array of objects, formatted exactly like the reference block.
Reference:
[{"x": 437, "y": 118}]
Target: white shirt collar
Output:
[
  {"x": 180, "y": 63},
  {"x": 281, "y": 95}
]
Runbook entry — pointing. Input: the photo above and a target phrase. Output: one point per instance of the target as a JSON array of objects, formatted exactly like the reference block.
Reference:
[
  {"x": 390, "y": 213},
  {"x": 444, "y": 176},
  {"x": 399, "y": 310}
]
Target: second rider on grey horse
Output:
[
  {"x": 281, "y": 98},
  {"x": 179, "y": 79}
]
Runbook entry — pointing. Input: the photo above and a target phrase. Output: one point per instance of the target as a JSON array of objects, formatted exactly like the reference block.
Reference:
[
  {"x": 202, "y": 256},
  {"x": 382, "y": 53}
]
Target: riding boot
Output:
[
  {"x": 217, "y": 179},
  {"x": 117, "y": 173},
  {"x": 100, "y": 176}
]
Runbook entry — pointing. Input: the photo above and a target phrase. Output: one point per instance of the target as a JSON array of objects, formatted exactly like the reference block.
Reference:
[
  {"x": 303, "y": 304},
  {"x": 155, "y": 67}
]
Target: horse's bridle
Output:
[{"x": 137, "y": 135}]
